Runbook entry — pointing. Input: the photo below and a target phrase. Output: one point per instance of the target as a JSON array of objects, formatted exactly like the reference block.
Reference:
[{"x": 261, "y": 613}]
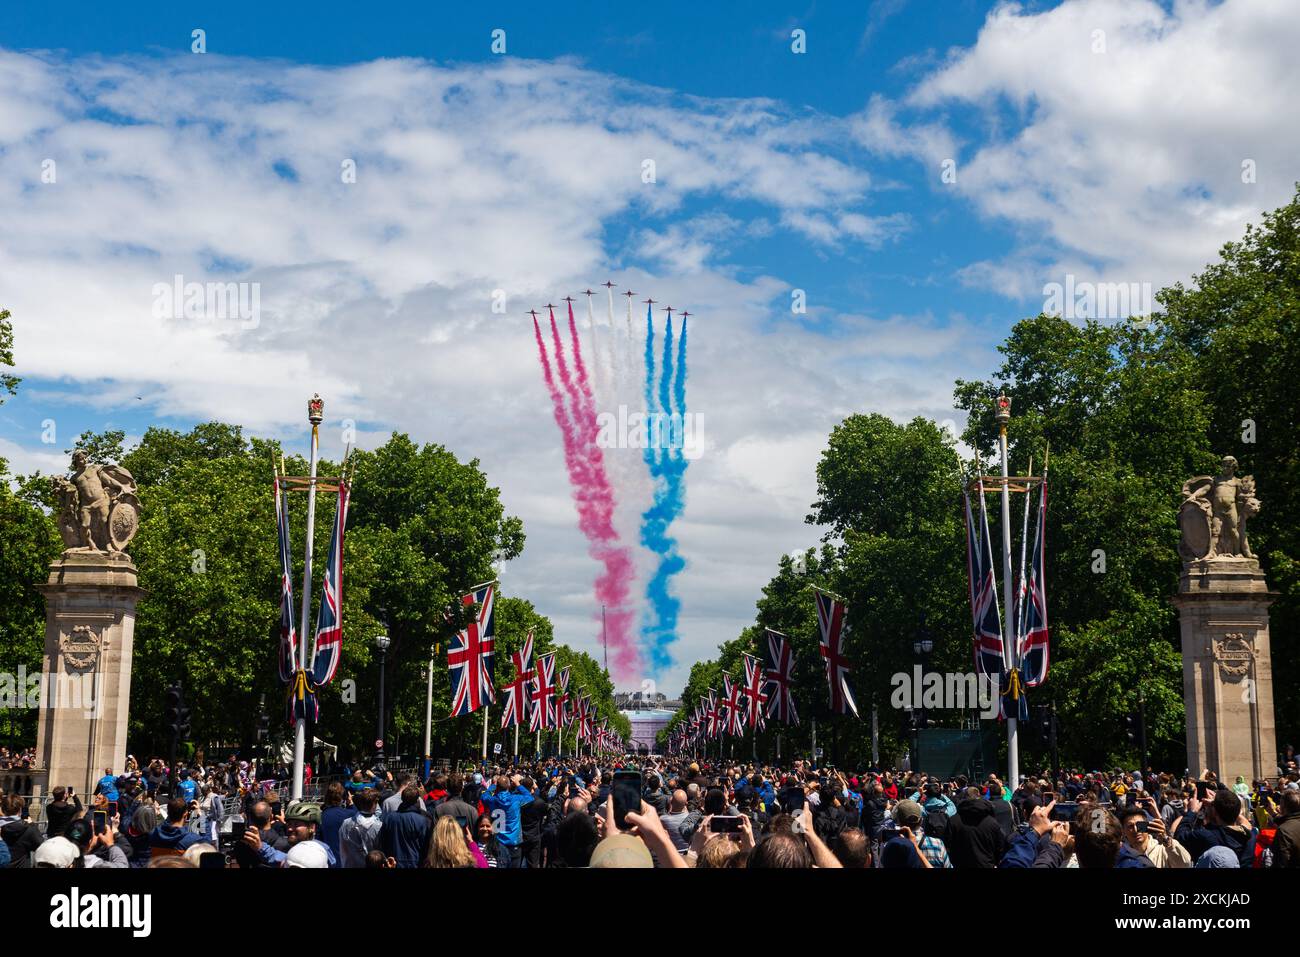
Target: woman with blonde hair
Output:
[{"x": 450, "y": 845}]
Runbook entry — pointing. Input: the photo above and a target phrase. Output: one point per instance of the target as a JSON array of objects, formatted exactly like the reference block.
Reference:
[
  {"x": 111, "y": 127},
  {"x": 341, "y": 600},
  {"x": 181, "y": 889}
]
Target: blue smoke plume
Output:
[{"x": 667, "y": 466}]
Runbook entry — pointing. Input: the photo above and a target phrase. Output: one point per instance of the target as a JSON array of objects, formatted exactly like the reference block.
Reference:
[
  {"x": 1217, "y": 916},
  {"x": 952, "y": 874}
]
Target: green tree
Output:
[{"x": 8, "y": 382}]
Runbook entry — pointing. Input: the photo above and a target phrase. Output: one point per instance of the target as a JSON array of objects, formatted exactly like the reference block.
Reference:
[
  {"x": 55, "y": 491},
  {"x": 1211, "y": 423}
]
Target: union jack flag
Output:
[
  {"x": 517, "y": 691},
  {"x": 778, "y": 670},
  {"x": 288, "y": 657},
  {"x": 543, "y": 716},
  {"x": 987, "y": 617},
  {"x": 755, "y": 692},
  {"x": 586, "y": 719},
  {"x": 830, "y": 621},
  {"x": 471, "y": 654},
  {"x": 328, "y": 646},
  {"x": 712, "y": 716},
  {"x": 1033, "y": 615},
  {"x": 563, "y": 701},
  {"x": 724, "y": 706},
  {"x": 735, "y": 707}
]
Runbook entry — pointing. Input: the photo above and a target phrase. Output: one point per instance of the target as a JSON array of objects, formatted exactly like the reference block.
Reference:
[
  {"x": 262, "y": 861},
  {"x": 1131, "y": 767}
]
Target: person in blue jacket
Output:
[
  {"x": 503, "y": 801},
  {"x": 107, "y": 786},
  {"x": 172, "y": 837}
]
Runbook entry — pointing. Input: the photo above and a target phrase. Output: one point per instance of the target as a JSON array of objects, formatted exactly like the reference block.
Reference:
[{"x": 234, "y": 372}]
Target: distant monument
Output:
[
  {"x": 90, "y": 601},
  {"x": 1222, "y": 605}
]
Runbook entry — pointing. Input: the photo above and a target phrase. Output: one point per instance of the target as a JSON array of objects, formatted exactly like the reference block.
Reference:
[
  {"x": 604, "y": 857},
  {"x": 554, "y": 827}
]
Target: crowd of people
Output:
[
  {"x": 629, "y": 812},
  {"x": 19, "y": 760}
]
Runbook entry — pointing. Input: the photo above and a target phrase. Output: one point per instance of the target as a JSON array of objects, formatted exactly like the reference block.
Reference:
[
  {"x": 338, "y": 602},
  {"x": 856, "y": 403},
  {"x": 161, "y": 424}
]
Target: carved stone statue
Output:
[
  {"x": 1214, "y": 513},
  {"x": 98, "y": 507}
]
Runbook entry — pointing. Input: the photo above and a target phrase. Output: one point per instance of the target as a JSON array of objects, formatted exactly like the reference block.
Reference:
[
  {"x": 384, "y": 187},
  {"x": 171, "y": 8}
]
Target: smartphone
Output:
[
  {"x": 1143, "y": 826},
  {"x": 100, "y": 821},
  {"x": 626, "y": 795},
  {"x": 725, "y": 823},
  {"x": 212, "y": 860},
  {"x": 1065, "y": 811},
  {"x": 237, "y": 830},
  {"x": 1202, "y": 789}
]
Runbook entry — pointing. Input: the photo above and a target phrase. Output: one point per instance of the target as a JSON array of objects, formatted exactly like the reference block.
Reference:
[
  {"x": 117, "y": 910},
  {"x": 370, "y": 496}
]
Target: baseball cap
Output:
[
  {"x": 1218, "y": 856},
  {"x": 307, "y": 812},
  {"x": 621, "y": 850},
  {"x": 307, "y": 854},
  {"x": 56, "y": 852},
  {"x": 908, "y": 813}
]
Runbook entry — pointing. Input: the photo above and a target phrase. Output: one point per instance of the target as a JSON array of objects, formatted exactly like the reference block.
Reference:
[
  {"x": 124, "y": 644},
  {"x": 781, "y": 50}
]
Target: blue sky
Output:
[{"x": 1091, "y": 139}]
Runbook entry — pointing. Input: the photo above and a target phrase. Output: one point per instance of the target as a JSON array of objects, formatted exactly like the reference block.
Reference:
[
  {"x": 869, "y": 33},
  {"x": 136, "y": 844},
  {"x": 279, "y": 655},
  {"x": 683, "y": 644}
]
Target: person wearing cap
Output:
[
  {"x": 302, "y": 819},
  {"x": 311, "y": 854},
  {"x": 910, "y": 847},
  {"x": 57, "y": 852}
]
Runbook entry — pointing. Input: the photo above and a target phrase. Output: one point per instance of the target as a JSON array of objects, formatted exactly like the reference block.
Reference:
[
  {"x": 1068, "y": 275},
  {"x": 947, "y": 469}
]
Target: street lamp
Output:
[
  {"x": 382, "y": 641},
  {"x": 921, "y": 647}
]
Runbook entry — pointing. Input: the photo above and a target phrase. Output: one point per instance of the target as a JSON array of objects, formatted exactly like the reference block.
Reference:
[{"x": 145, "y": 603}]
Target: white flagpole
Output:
[
  {"x": 428, "y": 720},
  {"x": 1008, "y": 631},
  {"x": 315, "y": 415},
  {"x": 516, "y": 739},
  {"x": 486, "y": 709}
]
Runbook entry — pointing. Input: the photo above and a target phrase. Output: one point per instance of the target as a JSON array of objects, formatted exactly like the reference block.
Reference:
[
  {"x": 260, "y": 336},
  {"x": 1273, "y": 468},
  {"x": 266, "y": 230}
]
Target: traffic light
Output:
[
  {"x": 263, "y": 725},
  {"x": 1043, "y": 720},
  {"x": 1131, "y": 721},
  {"x": 172, "y": 709},
  {"x": 176, "y": 715}
]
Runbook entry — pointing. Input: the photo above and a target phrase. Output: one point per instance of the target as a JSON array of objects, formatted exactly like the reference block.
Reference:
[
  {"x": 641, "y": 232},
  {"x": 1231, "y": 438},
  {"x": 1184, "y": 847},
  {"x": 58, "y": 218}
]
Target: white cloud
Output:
[
  {"x": 520, "y": 177},
  {"x": 1112, "y": 133}
]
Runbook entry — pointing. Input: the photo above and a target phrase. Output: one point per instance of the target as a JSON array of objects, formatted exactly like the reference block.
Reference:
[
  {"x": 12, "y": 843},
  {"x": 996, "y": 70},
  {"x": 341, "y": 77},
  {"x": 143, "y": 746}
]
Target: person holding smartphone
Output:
[
  {"x": 61, "y": 811},
  {"x": 1144, "y": 831}
]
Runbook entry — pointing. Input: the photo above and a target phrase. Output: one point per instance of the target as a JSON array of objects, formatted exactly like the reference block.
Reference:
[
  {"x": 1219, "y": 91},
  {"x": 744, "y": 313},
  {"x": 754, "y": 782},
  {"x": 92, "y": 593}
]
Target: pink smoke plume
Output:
[{"x": 594, "y": 497}]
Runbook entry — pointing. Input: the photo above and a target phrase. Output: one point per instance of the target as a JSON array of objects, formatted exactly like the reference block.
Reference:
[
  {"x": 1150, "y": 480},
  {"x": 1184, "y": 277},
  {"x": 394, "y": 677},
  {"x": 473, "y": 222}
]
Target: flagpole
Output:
[
  {"x": 315, "y": 415},
  {"x": 1003, "y": 416},
  {"x": 428, "y": 722},
  {"x": 486, "y": 709}
]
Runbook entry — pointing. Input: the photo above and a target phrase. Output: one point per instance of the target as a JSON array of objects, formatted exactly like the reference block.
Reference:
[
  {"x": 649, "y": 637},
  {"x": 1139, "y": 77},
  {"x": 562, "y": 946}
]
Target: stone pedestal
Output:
[
  {"x": 1227, "y": 668},
  {"x": 90, "y": 604}
]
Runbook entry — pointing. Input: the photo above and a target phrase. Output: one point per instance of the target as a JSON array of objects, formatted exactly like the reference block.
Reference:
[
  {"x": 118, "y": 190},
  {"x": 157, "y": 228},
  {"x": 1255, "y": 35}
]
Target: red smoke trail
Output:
[{"x": 594, "y": 498}]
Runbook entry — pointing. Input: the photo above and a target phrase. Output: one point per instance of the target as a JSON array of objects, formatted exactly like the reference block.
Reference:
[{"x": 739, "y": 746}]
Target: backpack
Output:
[
  {"x": 5, "y": 856},
  {"x": 936, "y": 822}
]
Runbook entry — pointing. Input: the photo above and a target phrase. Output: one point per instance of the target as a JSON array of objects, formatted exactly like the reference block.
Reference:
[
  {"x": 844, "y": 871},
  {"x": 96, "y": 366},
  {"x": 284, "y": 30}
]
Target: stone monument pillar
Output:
[
  {"x": 1222, "y": 605},
  {"x": 90, "y": 601}
]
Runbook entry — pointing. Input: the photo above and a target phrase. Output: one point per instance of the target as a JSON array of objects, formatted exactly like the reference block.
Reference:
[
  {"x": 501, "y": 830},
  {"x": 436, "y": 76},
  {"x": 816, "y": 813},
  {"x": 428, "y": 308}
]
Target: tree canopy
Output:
[{"x": 1130, "y": 410}]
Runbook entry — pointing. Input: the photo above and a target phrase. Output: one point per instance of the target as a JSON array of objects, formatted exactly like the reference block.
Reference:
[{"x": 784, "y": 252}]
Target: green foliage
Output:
[
  {"x": 1130, "y": 411},
  {"x": 8, "y": 383},
  {"x": 28, "y": 543}
]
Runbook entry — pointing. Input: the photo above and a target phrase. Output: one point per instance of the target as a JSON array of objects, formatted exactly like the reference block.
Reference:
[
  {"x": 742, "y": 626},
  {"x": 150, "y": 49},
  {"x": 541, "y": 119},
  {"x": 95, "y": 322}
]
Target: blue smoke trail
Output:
[{"x": 667, "y": 467}]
